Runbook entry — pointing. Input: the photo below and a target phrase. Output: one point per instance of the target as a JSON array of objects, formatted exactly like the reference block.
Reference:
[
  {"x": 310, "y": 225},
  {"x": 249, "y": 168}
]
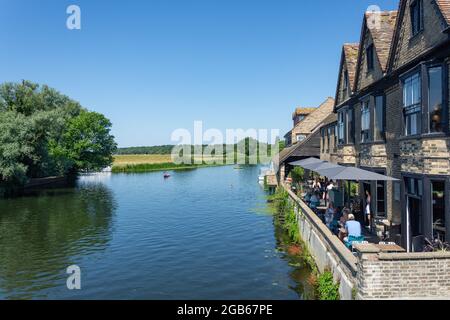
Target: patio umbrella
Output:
[
  {"x": 351, "y": 173},
  {"x": 305, "y": 162},
  {"x": 321, "y": 166}
]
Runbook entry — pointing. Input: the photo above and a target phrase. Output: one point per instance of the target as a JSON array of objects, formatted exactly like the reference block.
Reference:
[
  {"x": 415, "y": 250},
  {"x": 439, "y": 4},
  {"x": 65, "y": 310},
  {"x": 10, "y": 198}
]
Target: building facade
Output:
[
  {"x": 392, "y": 117},
  {"x": 307, "y": 120}
]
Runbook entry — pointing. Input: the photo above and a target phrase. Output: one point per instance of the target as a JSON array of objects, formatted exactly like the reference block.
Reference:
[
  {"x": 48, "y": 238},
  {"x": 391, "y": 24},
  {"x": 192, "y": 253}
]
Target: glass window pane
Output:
[{"x": 435, "y": 99}]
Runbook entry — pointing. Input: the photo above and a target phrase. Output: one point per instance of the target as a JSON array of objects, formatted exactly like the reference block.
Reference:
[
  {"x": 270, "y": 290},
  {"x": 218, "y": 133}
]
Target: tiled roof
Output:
[
  {"x": 303, "y": 111},
  {"x": 310, "y": 147},
  {"x": 330, "y": 119},
  {"x": 381, "y": 26},
  {"x": 351, "y": 59},
  {"x": 307, "y": 125},
  {"x": 444, "y": 6}
]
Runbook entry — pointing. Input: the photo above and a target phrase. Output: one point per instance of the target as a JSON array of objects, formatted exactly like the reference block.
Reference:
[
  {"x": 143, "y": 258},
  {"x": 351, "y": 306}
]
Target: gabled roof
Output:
[
  {"x": 332, "y": 118},
  {"x": 308, "y": 124},
  {"x": 381, "y": 26},
  {"x": 303, "y": 111},
  {"x": 382, "y": 33},
  {"x": 310, "y": 147},
  {"x": 350, "y": 51},
  {"x": 349, "y": 58},
  {"x": 444, "y": 7}
]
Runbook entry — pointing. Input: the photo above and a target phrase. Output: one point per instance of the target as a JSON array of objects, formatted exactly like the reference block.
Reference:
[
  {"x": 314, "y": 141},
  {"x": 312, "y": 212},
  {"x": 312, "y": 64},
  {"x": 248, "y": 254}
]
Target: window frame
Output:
[
  {"x": 426, "y": 103},
  {"x": 365, "y": 111},
  {"x": 342, "y": 116},
  {"x": 383, "y": 118},
  {"x": 415, "y": 30},
  {"x": 414, "y": 108},
  {"x": 370, "y": 62}
]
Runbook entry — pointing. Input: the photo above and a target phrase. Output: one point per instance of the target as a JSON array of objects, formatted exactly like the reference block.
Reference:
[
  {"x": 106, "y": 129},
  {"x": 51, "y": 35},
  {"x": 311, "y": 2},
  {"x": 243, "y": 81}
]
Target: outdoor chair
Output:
[
  {"x": 418, "y": 243},
  {"x": 352, "y": 239}
]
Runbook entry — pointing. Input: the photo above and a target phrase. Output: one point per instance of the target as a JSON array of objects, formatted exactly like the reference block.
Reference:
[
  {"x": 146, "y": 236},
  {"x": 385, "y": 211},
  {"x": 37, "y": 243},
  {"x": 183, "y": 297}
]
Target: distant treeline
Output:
[{"x": 167, "y": 149}]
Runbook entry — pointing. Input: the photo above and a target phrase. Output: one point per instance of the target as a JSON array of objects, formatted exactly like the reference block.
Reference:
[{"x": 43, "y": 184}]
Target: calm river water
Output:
[{"x": 202, "y": 234}]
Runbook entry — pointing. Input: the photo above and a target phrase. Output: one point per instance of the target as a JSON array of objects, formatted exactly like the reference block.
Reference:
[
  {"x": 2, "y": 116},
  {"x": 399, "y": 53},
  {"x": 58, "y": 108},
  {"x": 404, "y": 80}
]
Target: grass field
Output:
[
  {"x": 144, "y": 163},
  {"x": 123, "y": 160}
]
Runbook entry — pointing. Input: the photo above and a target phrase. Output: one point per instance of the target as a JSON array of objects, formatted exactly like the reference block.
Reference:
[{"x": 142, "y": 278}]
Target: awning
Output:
[
  {"x": 351, "y": 173},
  {"x": 337, "y": 172},
  {"x": 305, "y": 162}
]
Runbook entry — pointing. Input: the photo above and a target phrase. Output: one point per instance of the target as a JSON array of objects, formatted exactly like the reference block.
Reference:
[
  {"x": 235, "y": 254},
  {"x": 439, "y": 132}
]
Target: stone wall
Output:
[
  {"x": 327, "y": 250},
  {"x": 346, "y": 155},
  {"x": 426, "y": 156},
  {"x": 373, "y": 155},
  {"x": 402, "y": 276}
]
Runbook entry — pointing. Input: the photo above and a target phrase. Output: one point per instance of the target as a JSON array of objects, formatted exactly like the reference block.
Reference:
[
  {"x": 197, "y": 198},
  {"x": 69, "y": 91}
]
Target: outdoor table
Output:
[{"x": 390, "y": 248}]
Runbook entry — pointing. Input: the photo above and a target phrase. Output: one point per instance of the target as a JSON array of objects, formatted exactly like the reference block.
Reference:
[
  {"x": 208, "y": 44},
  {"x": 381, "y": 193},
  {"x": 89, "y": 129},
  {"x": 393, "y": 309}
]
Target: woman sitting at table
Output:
[
  {"x": 342, "y": 221},
  {"x": 314, "y": 201},
  {"x": 330, "y": 213}
]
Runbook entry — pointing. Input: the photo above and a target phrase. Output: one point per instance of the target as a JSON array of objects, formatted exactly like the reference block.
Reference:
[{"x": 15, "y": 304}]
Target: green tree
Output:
[
  {"x": 87, "y": 144},
  {"x": 16, "y": 147}
]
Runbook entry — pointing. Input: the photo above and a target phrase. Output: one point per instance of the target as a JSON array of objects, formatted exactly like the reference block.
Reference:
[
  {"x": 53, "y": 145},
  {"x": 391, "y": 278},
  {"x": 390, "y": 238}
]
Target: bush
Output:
[{"x": 326, "y": 288}]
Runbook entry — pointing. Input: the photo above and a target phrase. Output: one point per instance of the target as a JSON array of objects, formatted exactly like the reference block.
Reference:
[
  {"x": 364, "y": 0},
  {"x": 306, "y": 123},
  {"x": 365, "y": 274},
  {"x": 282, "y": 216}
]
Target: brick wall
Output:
[
  {"x": 403, "y": 276},
  {"x": 426, "y": 156}
]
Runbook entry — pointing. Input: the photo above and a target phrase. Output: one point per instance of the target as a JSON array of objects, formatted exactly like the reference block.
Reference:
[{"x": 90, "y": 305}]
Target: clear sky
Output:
[{"x": 153, "y": 66}]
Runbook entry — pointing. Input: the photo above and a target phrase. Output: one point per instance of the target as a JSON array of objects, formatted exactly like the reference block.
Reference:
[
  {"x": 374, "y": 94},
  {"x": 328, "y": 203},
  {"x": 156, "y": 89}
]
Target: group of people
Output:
[{"x": 343, "y": 224}]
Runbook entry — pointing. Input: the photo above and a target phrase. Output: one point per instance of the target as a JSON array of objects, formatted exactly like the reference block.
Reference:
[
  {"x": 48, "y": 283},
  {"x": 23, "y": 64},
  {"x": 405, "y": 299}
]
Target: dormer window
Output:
[
  {"x": 416, "y": 17},
  {"x": 346, "y": 81},
  {"x": 370, "y": 57}
]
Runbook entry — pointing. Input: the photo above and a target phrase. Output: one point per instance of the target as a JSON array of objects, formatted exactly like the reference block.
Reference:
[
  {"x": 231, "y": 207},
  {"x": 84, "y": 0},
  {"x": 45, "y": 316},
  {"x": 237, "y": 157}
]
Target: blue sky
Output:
[{"x": 154, "y": 66}]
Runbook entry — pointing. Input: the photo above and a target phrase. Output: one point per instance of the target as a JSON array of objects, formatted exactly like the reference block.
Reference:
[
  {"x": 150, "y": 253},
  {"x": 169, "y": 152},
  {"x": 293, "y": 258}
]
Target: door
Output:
[{"x": 438, "y": 209}]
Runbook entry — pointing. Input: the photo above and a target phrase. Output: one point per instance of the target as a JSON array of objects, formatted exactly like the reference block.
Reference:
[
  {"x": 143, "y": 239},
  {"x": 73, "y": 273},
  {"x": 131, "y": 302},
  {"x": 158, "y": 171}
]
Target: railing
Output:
[{"x": 333, "y": 244}]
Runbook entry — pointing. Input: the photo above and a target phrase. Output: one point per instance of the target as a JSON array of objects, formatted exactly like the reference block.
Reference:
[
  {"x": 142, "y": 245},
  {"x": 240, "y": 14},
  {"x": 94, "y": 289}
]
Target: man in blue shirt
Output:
[{"x": 353, "y": 227}]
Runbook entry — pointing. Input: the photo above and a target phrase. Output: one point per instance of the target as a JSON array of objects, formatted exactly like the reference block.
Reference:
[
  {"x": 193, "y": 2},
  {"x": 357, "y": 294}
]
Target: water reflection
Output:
[{"x": 45, "y": 231}]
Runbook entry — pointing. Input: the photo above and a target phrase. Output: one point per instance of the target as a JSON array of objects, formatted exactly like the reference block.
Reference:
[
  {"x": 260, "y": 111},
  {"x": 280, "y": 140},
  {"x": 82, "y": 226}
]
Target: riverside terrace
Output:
[
  {"x": 371, "y": 269},
  {"x": 335, "y": 205}
]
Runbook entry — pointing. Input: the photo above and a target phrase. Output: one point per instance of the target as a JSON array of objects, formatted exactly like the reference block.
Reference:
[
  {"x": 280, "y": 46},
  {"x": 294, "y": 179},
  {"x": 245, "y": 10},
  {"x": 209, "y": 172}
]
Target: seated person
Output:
[
  {"x": 314, "y": 200},
  {"x": 330, "y": 213},
  {"x": 353, "y": 228},
  {"x": 342, "y": 221}
]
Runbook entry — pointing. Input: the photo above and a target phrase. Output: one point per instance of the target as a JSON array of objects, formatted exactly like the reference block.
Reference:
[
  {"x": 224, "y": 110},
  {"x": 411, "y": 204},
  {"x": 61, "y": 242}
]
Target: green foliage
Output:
[
  {"x": 87, "y": 143},
  {"x": 326, "y": 288},
  {"x": 286, "y": 213},
  {"x": 45, "y": 133},
  {"x": 297, "y": 175}
]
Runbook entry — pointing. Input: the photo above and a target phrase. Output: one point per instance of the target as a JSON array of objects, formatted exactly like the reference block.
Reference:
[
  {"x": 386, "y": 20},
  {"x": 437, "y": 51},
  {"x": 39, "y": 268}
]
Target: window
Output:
[
  {"x": 350, "y": 127},
  {"x": 328, "y": 139},
  {"x": 300, "y": 137},
  {"x": 322, "y": 133},
  {"x": 336, "y": 142},
  {"x": 435, "y": 99},
  {"x": 381, "y": 198},
  {"x": 414, "y": 192},
  {"x": 412, "y": 104},
  {"x": 416, "y": 17},
  {"x": 370, "y": 57},
  {"x": 346, "y": 81},
  {"x": 365, "y": 122},
  {"x": 341, "y": 127},
  {"x": 438, "y": 202},
  {"x": 379, "y": 127}
]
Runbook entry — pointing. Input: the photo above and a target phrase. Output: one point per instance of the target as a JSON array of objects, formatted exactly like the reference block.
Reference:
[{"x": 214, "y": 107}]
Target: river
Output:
[{"x": 202, "y": 234}]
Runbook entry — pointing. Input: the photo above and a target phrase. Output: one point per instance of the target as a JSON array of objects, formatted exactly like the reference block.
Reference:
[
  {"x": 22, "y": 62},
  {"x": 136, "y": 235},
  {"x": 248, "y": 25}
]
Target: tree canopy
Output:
[{"x": 45, "y": 133}]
